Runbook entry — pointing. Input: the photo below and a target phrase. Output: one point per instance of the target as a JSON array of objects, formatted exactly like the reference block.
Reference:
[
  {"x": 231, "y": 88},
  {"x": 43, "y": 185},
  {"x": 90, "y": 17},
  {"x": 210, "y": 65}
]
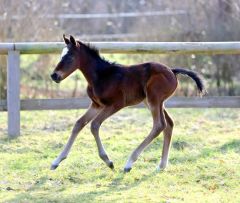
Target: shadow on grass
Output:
[
  {"x": 233, "y": 145},
  {"x": 116, "y": 185}
]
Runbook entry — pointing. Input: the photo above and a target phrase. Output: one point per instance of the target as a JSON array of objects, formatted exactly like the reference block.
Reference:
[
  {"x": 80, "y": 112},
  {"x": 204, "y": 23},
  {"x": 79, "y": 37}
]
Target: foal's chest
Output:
[{"x": 95, "y": 99}]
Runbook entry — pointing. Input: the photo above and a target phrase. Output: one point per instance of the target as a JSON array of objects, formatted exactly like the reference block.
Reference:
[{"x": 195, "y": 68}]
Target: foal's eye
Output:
[{"x": 68, "y": 59}]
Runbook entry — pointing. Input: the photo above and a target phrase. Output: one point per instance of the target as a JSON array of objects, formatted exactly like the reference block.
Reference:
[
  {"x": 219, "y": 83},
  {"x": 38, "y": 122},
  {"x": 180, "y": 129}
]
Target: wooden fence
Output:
[{"x": 13, "y": 50}]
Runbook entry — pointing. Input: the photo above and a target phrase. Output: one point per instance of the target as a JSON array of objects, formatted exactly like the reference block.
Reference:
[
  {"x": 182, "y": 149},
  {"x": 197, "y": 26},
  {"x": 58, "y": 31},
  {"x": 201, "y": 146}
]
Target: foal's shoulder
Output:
[{"x": 111, "y": 72}]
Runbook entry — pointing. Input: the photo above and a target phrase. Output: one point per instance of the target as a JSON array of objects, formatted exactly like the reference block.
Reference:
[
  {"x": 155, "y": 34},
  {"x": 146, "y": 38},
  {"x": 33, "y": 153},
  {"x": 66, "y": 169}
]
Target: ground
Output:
[{"x": 204, "y": 159}]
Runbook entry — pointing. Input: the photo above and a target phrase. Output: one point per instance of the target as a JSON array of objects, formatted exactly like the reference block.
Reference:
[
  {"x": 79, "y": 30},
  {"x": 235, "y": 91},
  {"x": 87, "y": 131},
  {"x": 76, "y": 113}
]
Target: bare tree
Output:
[{"x": 216, "y": 20}]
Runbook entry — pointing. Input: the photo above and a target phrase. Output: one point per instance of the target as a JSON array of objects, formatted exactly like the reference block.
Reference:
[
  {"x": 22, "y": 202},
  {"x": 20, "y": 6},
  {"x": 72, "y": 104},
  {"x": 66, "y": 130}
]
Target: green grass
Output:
[{"x": 204, "y": 159}]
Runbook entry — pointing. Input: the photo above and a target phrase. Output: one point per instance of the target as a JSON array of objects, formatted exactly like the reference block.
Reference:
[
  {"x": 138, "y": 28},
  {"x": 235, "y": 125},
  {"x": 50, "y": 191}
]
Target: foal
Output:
[{"x": 112, "y": 87}]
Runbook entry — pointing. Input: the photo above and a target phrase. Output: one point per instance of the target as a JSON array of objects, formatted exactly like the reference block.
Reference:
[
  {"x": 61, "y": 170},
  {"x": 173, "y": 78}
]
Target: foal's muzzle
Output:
[{"x": 56, "y": 78}]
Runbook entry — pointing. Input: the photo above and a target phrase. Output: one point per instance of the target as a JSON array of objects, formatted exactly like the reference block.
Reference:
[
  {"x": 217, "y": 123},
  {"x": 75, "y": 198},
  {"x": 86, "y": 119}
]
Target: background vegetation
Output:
[{"x": 186, "y": 20}]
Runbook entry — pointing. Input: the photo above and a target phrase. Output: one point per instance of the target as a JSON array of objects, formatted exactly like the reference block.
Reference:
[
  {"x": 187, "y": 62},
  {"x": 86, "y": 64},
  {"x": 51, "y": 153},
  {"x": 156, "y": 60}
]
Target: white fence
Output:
[{"x": 13, "y": 50}]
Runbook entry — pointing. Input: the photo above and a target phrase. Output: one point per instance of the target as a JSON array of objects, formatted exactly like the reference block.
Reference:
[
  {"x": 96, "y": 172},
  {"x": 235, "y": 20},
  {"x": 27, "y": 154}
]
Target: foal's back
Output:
[{"x": 138, "y": 78}]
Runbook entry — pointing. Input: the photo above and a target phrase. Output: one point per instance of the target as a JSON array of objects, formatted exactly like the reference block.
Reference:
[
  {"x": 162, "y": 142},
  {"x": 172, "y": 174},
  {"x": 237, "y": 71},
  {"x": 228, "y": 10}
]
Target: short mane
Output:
[
  {"x": 94, "y": 52},
  {"x": 91, "y": 49}
]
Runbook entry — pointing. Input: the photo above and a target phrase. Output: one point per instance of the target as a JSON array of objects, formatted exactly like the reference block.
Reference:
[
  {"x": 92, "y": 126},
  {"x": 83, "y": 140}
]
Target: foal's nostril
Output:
[{"x": 55, "y": 77}]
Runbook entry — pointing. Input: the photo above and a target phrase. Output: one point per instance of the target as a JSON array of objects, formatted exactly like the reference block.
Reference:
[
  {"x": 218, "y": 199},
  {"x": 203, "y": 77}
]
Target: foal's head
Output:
[{"x": 70, "y": 60}]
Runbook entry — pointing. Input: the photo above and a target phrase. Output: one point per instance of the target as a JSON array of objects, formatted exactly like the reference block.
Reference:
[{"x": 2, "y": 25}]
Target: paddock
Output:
[
  {"x": 13, "y": 105},
  {"x": 204, "y": 157}
]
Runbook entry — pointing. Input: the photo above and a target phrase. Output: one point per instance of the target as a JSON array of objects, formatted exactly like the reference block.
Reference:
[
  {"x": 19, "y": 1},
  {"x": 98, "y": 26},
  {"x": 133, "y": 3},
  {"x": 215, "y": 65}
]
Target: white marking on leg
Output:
[
  {"x": 157, "y": 128},
  {"x": 89, "y": 115}
]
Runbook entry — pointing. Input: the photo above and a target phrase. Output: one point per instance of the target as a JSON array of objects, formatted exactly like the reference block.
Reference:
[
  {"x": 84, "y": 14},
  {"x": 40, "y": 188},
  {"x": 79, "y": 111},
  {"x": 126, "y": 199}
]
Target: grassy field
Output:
[{"x": 204, "y": 159}]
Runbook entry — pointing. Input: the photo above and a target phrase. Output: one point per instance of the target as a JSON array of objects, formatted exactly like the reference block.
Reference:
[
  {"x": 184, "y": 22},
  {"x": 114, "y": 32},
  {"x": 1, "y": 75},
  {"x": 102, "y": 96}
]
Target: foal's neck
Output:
[{"x": 91, "y": 67}]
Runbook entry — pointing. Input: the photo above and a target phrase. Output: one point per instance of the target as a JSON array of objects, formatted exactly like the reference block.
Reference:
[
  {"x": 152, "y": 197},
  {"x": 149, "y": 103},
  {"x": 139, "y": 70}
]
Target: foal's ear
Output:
[
  {"x": 66, "y": 40},
  {"x": 72, "y": 40}
]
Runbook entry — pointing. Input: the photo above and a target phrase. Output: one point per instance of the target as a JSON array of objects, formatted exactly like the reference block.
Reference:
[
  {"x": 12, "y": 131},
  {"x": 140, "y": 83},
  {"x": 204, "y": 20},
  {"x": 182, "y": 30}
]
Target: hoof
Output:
[
  {"x": 56, "y": 163},
  {"x": 53, "y": 167},
  {"x": 110, "y": 165},
  {"x": 161, "y": 169},
  {"x": 126, "y": 170}
]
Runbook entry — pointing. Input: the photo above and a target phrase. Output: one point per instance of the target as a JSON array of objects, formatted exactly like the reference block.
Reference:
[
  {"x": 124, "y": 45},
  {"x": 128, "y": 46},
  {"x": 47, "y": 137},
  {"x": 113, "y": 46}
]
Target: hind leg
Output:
[
  {"x": 166, "y": 142},
  {"x": 159, "y": 124},
  {"x": 159, "y": 87}
]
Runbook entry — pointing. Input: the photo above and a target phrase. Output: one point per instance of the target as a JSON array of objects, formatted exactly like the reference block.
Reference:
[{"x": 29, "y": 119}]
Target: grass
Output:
[{"x": 204, "y": 159}]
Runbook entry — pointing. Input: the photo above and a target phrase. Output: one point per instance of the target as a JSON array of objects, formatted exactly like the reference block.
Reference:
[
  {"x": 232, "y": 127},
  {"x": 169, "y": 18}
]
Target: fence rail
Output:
[
  {"x": 104, "y": 15},
  {"x": 130, "y": 47},
  {"x": 13, "y": 104},
  {"x": 83, "y": 103}
]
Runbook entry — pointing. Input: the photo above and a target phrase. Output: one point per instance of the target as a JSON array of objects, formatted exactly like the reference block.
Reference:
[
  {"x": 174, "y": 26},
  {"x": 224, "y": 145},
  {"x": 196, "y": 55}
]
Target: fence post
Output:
[{"x": 13, "y": 93}]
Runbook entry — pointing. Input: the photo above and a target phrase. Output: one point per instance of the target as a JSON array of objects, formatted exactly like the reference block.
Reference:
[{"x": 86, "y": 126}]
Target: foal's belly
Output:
[{"x": 133, "y": 96}]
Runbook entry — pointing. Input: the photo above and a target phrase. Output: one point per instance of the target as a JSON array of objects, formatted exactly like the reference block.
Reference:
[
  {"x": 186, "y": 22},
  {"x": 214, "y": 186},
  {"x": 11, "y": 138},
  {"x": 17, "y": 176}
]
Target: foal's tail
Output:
[{"x": 195, "y": 76}]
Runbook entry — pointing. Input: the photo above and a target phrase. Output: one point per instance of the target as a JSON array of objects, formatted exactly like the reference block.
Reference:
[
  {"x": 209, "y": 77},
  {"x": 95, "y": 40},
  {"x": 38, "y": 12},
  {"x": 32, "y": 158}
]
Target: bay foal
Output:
[{"x": 112, "y": 87}]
